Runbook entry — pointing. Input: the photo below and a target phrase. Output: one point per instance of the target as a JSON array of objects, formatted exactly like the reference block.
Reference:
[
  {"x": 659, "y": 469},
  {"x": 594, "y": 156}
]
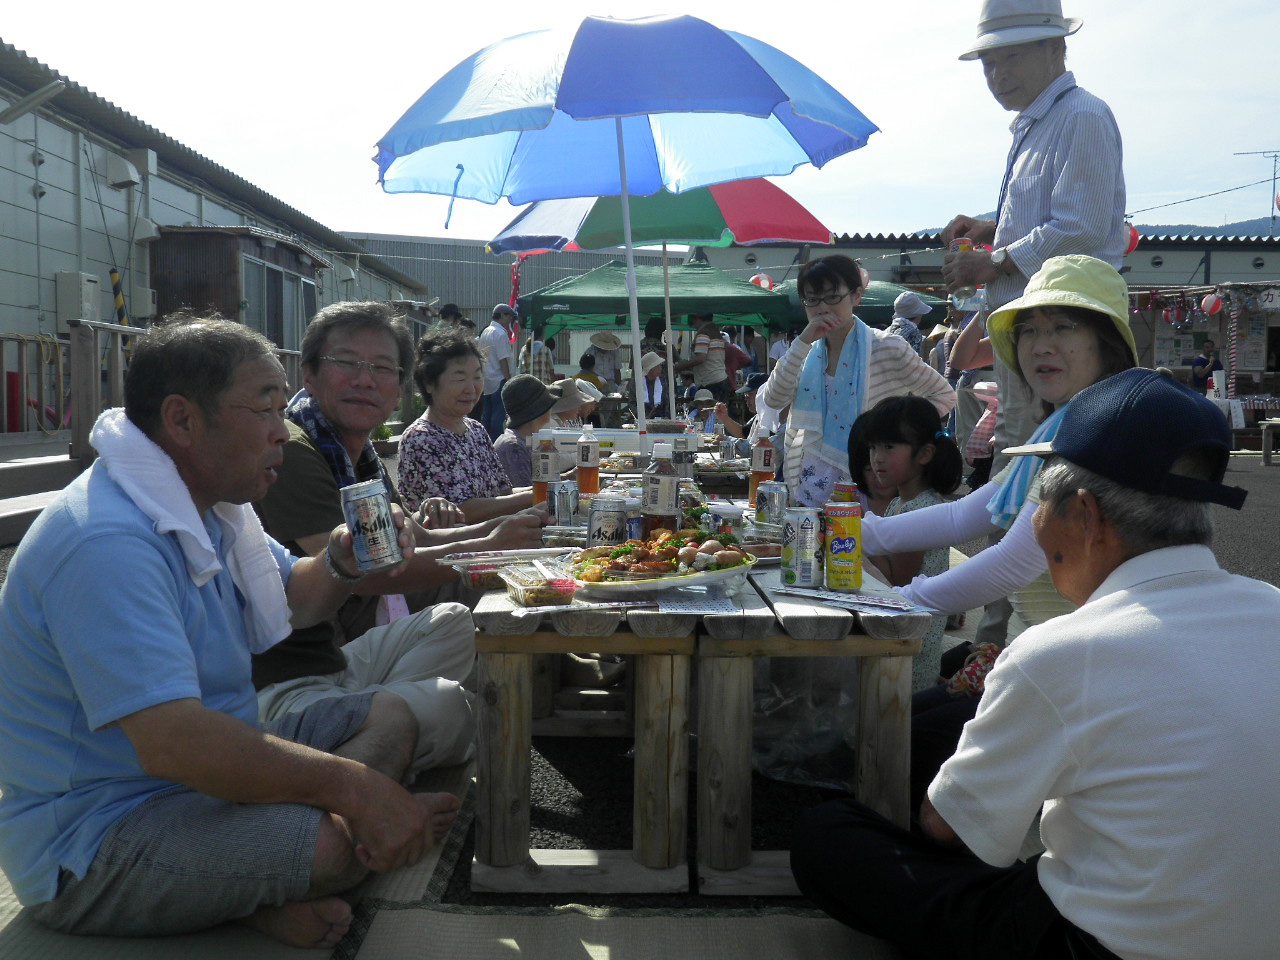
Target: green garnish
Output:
[{"x": 621, "y": 551}]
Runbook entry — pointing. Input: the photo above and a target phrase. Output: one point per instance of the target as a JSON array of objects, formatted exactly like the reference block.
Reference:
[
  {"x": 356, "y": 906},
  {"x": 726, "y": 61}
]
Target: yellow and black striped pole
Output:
[{"x": 117, "y": 290}]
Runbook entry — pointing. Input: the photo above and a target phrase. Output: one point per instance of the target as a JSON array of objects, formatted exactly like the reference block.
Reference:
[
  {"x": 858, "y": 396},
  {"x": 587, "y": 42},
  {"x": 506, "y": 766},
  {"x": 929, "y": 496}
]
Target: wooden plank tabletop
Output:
[{"x": 803, "y": 619}]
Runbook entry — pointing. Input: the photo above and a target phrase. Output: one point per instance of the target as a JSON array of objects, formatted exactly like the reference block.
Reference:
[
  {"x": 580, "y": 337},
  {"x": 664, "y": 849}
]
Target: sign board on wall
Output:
[{"x": 1251, "y": 342}]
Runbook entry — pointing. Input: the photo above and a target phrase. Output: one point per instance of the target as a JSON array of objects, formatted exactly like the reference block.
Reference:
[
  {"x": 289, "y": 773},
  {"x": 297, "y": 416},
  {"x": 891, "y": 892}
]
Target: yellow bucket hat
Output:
[{"x": 1071, "y": 281}]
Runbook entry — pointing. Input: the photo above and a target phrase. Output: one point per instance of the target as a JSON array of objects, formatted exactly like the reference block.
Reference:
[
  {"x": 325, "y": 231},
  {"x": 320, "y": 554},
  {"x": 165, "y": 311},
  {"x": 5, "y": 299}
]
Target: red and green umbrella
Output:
[{"x": 741, "y": 211}]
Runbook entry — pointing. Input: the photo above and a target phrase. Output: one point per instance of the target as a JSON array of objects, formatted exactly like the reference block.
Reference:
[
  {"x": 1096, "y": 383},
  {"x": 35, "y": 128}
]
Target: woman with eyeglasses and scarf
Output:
[{"x": 836, "y": 368}]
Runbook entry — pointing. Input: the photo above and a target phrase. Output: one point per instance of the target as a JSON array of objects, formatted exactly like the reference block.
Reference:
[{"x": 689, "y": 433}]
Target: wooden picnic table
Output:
[{"x": 663, "y": 647}]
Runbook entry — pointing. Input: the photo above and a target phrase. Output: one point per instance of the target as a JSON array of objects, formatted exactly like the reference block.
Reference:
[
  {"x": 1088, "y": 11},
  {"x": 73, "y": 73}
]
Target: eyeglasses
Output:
[
  {"x": 830, "y": 299},
  {"x": 1031, "y": 331},
  {"x": 352, "y": 368}
]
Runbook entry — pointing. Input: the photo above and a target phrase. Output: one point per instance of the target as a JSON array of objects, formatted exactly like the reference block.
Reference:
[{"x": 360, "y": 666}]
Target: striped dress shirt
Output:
[{"x": 1064, "y": 188}]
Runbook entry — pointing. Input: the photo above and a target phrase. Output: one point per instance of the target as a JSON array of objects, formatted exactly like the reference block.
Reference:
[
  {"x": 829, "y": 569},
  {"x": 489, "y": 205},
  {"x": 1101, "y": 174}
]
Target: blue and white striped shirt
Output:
[{"x": 1065, "y": 186}]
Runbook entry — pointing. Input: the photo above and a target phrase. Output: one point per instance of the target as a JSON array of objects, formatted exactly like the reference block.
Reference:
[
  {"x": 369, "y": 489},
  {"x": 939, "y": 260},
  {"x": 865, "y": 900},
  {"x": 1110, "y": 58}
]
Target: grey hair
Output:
[{"x": 1143, "y": 521}]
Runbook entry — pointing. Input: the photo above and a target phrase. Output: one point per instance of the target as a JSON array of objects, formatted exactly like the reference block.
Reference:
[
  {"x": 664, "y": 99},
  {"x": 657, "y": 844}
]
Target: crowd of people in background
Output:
[{"x": 228, "y": 738}]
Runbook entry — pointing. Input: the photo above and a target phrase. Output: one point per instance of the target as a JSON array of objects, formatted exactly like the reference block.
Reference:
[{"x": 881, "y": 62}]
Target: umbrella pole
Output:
[
  {"x": 636, "y": 373},
  {"x": 670, "y": 337}
]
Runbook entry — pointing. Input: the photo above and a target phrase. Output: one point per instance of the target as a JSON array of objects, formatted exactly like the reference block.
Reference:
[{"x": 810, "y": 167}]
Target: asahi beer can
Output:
[
  {"x": 566, "y": 500},
  {"x": 842, "y": 527},
  {"x": 771, "y": 502},
  {"x": 373, "y": 532},
  {"x": 802, "y": 547},
  {"x": 845, "y": 492},
  {"x": 607, "y": 522}
]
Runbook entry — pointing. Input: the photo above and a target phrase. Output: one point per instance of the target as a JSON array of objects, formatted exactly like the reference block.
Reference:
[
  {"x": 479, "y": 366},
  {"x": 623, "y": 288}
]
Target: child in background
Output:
[
  {"x": 902, "y": 443},
  {"x": 875, "y": 498}
]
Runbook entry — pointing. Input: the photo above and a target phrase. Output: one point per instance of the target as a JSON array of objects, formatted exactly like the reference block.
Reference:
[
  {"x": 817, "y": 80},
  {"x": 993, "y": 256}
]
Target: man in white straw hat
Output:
[
  {"x": 604, "y": 347},
  {"x": 1062, "y": 193}
]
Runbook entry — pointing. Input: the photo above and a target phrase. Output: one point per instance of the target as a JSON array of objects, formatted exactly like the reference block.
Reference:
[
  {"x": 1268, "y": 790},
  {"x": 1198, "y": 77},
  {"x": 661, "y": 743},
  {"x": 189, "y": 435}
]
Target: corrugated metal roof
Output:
[
  {"x": 1148, "y": 240},
  {"x": 27, "y": 74}
]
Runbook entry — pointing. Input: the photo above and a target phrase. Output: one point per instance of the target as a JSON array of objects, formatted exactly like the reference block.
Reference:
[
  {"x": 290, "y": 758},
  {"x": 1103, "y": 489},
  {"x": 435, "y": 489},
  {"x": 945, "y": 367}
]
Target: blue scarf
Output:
[
  {"x": 833, "y": 415},
  {"x": 1012, "y": 494},
  {"x": 305, "y": 412}
]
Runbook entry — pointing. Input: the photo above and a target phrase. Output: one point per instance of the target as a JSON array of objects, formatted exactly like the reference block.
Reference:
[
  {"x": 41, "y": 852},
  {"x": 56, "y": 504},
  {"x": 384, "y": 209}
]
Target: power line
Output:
[{"x": 1201, "y": 197}]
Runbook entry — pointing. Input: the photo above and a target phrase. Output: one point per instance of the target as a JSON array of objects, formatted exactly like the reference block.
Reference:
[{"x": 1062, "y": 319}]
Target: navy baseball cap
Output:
[
  {"x": 754, "y": 383},
  {"x": 1132, "y": 427}
]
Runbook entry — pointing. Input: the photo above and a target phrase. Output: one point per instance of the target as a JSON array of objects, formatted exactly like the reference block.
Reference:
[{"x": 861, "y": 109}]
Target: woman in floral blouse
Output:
[{"x": 444, "y": 453}]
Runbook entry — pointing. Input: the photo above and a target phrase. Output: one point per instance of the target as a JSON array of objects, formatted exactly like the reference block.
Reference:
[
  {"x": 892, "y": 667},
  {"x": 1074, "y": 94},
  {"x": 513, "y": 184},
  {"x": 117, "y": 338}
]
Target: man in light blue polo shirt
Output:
[{"x": 140, "y": 797}]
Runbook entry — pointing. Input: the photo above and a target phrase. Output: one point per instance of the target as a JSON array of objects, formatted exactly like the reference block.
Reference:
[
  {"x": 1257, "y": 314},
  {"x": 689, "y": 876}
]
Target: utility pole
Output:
[{"x": 1275, "y": 168}]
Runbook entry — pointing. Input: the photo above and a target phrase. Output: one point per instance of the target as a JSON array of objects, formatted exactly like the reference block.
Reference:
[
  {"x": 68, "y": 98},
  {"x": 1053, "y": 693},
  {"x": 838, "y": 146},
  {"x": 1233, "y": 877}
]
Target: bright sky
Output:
[{"x": 293, "y": 98}]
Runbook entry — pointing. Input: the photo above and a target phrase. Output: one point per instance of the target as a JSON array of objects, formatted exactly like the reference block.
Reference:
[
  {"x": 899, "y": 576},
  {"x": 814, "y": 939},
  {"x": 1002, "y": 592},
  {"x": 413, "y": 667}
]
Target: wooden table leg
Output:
[
  {"x": 884, "y": 736},
  {"x": 724, "y": 762},
  {"x": 661, "y": 806},
  {"x": 502, "y": 766}
]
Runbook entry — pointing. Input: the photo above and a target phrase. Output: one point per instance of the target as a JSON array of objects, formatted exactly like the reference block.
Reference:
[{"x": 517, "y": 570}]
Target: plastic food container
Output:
[
  {"x": 482, "y": 577},
  {"x": 534, "y": 586}
]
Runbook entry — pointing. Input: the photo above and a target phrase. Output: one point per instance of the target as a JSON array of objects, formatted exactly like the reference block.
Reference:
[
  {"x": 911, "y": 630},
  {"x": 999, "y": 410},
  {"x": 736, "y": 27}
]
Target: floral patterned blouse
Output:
[{"x": 436, "y": 462}]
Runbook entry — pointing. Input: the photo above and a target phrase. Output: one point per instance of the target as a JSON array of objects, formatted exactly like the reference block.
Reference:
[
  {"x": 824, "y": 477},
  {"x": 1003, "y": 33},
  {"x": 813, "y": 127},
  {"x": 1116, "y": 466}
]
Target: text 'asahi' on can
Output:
[
  {"x": 374, "y": 537},
  {"x": 607, "y": 522},
  {"x": 771, "y": 502},
  {"x": 842, "y": 529},
  {"x": 802, "y": 547}
]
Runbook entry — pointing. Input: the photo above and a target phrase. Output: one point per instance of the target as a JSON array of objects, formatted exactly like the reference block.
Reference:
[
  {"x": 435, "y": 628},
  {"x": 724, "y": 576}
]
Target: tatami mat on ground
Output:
[
  {"x": 425, "y": 933},
  {"x": 22, "y": 939}
]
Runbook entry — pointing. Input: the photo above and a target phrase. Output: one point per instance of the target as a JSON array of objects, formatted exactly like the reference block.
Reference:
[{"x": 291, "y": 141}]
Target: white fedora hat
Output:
[{"x": 1006, "y": 23}]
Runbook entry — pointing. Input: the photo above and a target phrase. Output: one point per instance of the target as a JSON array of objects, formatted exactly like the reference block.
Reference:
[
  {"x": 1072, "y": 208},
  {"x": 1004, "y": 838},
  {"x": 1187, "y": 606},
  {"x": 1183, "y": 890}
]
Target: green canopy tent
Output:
[
  {"x": 598, "y": 299},
  {"x": 876, "y": 307}
]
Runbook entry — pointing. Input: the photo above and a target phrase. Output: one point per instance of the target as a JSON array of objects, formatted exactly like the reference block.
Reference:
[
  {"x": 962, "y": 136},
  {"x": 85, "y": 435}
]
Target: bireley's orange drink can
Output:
[
  {"x": 842, "y": 564},
  {"x": 962, "y": 245}
]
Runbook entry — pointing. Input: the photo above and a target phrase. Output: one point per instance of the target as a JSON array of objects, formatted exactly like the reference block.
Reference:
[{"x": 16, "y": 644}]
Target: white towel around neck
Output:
[{"x": 150, "y": 479}]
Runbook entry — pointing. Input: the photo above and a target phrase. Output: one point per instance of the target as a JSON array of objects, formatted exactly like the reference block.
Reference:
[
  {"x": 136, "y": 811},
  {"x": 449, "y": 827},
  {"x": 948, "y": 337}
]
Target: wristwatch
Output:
[{"x": 1000, "y": 260}]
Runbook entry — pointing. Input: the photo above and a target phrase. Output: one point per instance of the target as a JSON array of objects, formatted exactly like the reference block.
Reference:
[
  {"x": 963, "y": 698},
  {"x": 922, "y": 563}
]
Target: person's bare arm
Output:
[
  {"x": 314, "y": 595},
  {"x": 935, "y": 827},
  {"x": 214, "y": 753},
  {"x": 731, "y": 426},
  {"x": 487, "y": 508},
  {"x": 972, "y": 348},
  {"x": 519, "y": 531}
]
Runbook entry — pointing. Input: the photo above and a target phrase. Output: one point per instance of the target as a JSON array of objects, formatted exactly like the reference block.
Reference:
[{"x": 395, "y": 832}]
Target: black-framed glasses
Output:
[
  {"x": 830, "y": 299},
  {"x": 352, "y": 368}
]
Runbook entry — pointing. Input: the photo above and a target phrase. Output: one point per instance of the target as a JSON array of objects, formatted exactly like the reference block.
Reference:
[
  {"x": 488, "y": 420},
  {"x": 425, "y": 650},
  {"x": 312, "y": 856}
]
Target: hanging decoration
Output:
[
  {"x": 763, "y": 280},
  {"x": 1211, "y": 303},
  {"x": 1132, "y": 245}
]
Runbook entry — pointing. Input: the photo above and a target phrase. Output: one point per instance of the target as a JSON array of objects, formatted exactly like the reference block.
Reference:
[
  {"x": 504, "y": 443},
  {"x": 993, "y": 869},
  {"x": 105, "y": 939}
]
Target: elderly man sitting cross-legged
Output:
[
  {"x": 140, "y": 795},
  {"x": 1142, "y": 724}
]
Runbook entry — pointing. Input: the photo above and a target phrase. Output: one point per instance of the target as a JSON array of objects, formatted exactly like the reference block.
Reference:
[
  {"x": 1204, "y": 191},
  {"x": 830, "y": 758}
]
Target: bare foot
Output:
[
  {"x": 444, "y": 809},
  {"x": 304, "y": 923}
]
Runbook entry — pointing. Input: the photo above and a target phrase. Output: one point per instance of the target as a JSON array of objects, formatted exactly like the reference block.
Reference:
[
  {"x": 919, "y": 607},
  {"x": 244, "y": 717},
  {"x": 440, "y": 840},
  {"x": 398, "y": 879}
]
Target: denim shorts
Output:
[{"x": 183, "y": 861}]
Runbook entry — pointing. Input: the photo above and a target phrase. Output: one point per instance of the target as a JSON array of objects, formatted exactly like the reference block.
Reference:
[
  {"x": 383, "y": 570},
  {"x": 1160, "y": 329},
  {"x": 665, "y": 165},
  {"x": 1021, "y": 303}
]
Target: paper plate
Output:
[{"x": 627, "y": 588}]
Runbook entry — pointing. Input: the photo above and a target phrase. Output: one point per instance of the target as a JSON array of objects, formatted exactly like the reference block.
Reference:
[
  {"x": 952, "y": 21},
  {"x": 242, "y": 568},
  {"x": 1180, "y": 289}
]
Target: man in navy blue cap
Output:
[{"x": 1140, "y": 728}]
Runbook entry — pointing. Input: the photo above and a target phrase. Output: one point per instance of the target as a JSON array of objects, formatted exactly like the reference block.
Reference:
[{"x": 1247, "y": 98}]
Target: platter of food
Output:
[
  {"x": 766, "y": 554},
  {"x": 669, "y": 560}
]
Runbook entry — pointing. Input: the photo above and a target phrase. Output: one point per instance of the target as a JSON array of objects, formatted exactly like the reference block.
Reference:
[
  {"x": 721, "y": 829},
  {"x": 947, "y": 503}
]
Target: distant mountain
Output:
[{"x": 1258, "y": 227}]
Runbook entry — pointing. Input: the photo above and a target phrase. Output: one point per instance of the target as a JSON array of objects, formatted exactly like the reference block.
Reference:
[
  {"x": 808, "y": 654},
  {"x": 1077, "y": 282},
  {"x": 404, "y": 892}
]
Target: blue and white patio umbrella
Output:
[{"x": 616, "y": 107}]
